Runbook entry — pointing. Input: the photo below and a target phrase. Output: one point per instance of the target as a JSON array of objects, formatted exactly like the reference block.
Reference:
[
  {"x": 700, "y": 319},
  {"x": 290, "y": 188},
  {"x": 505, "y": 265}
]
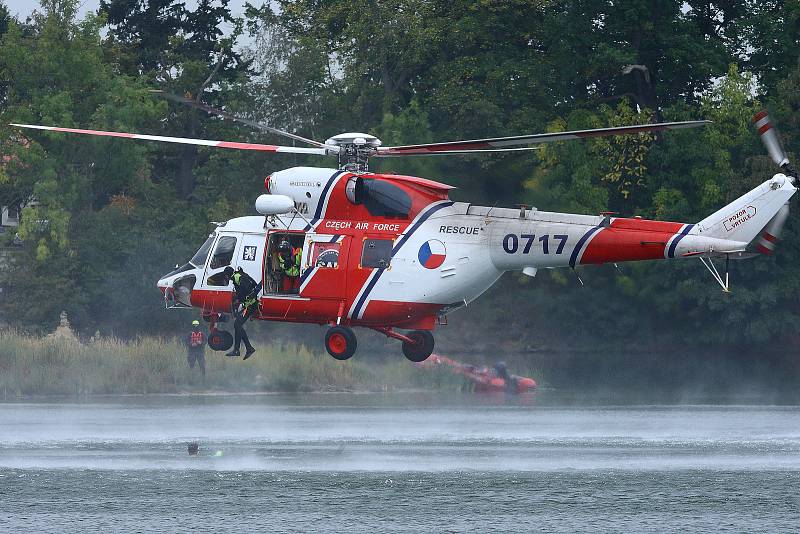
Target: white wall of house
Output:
[{"x": 9, "y": 216}]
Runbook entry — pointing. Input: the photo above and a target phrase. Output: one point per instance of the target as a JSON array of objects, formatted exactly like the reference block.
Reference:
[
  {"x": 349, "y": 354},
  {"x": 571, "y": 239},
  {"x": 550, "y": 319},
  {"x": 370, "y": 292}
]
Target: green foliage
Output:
[{"x": 581, "y": 174}]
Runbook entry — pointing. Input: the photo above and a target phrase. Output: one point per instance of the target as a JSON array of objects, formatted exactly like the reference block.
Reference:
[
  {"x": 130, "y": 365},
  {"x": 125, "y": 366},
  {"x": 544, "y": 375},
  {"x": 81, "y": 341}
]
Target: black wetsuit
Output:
[{"x": 246, "y": 294}]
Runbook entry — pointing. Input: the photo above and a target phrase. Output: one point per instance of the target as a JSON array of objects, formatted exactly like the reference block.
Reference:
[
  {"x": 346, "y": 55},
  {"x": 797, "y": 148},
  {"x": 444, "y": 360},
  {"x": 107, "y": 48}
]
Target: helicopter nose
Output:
[
  {"x": 177, "y": 288},
  {"x": 165, "y": 285},
  {"x": 165, "y": 281},
  {"x": 162, "y": 285}
]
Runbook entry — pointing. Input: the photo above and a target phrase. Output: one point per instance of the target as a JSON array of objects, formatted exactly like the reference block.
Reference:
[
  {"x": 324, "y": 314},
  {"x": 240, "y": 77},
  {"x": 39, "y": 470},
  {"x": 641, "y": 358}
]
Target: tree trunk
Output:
[
  {"x": 188, "y": 160},
  {"x": 186, "y": 171}
]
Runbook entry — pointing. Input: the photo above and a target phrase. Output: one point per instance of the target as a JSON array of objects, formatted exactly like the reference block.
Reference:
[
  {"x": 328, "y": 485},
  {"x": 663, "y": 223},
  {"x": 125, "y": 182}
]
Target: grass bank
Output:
[{"x": 64, "y": 366}]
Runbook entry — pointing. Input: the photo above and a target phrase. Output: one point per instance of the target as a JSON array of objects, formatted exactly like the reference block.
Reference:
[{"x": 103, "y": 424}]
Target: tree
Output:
[
  {"x": 181, "y": 52},
  {"x": 60, "y": 77},
  {"x": 771, "y": 40}
]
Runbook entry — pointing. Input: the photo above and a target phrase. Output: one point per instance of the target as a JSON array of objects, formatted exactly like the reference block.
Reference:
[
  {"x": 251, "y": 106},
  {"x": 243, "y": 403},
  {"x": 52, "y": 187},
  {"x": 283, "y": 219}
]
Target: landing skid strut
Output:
[
  {"x": 723, "y": 282},
  {"x": 388, "y": 332}
]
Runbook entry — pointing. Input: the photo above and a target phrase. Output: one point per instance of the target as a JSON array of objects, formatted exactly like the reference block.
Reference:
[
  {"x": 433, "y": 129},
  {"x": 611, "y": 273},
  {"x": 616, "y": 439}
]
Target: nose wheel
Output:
[
  {"x": 340, "y": 342},
  {"x": 218, "y": 340}
]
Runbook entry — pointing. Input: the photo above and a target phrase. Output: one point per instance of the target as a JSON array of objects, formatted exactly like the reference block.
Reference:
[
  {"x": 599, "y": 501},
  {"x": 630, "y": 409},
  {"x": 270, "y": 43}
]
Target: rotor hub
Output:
[{"x": 354, "y": 150}]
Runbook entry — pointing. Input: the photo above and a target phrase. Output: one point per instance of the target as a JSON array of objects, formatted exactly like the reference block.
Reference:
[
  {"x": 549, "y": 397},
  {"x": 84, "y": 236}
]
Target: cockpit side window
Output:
[
  {"x": 200, "y": 257},
  {"x": 223, "y": 254}
]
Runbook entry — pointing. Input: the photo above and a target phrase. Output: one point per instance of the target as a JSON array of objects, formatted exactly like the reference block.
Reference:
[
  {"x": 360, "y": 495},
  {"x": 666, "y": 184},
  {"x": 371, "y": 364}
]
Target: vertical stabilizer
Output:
[{"x": 744, "y": 218}]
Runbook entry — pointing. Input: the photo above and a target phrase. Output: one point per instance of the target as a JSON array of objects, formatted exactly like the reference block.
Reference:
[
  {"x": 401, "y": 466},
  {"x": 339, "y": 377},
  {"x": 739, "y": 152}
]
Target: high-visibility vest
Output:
[
  {"x": 196, "y": 339},
  {"x": 249, "y": 298},
  {"x": 291, "y": 267}
]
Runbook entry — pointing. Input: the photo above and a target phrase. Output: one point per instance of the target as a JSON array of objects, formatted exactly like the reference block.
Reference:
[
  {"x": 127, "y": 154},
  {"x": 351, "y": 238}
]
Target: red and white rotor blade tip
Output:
[
  {"x": 182, "y": 140},
  {"x": 501, "y": 144},
  {"x": 770, "y": 138}
]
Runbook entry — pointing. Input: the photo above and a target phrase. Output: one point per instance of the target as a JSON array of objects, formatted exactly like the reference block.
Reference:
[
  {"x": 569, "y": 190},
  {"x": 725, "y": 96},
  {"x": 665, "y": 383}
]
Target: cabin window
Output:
[
  {"x": 218, "y": 279},
  {"x": 377, "y": 253},
  {"x": 223, "y": 254},
  {"x": 382, "y": 198},
  {"x": 325, "y": 255}
]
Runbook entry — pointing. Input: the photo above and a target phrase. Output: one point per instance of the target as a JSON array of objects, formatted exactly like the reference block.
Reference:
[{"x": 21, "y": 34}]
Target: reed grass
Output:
[{"x": 65, "y": 366}]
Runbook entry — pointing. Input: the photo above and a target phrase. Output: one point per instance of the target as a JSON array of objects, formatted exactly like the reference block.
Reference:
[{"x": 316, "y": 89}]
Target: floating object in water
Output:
[
  {"x": 484, "y": 379},
  {"x": 217, "y": 454},
  {"x": 193, "y": 448}
]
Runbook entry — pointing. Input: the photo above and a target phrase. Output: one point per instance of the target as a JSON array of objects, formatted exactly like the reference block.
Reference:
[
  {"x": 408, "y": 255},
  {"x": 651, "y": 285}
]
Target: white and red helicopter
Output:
[{"x": 391, "y": 252}]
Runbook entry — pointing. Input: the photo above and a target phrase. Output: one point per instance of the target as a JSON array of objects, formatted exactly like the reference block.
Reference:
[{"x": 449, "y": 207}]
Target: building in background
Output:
[{"x": 9, "y": 217}]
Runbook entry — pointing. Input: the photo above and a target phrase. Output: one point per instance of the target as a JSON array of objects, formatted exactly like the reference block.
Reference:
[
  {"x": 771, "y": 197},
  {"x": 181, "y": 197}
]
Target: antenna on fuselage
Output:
[{"x": 578, "y": 276}]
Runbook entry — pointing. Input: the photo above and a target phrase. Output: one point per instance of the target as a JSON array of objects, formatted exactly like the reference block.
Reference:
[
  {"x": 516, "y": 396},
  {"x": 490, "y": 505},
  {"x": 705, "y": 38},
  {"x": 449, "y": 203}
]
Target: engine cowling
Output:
[{"x": 304, "y": 185}]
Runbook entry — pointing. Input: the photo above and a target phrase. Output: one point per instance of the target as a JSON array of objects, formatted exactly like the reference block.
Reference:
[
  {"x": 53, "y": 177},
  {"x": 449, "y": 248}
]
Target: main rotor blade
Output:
[
  {"x": 503, "y": 142},
  {"x": 225, "y": 115},
  {"x": 183, "y": 140},
  {"x": 462, "y": 152}
]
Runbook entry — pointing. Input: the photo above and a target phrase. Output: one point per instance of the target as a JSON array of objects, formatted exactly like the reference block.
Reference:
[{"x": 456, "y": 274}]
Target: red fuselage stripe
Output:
[{"x": 630, "y": 240}]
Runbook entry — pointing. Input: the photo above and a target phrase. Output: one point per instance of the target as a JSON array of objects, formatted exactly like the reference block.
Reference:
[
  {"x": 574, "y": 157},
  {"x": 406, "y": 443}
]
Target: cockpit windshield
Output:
[{"x": 200, "y": 257}]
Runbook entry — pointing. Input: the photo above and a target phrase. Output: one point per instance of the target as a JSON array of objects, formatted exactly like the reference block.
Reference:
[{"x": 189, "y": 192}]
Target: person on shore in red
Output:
[{"x": 196, "y": 347}]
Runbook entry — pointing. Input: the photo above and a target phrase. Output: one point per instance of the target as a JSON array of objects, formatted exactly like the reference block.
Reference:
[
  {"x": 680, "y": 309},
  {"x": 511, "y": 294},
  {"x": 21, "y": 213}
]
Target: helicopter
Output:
[{"x": 395, "y": 254}]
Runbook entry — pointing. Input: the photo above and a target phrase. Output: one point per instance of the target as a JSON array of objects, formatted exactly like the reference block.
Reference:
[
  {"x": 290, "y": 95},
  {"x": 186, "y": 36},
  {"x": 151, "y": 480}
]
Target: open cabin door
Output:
[
  {"x": 318, "y": 293},
  {"x": 323, "y": 263}
]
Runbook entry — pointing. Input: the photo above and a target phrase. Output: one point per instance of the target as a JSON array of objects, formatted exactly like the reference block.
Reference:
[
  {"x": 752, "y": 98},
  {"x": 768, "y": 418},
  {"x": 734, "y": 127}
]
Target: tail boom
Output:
[
  {"x": 542, "y": 239},
  {"x": 570, "y": 242}
]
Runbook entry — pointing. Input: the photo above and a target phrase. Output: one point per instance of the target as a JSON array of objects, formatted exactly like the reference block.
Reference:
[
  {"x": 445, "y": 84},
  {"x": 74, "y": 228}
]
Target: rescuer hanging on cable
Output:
[{"x": 245, "y": 304}]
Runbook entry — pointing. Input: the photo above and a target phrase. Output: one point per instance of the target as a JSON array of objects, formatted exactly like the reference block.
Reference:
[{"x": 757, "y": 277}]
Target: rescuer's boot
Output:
[
  {"x": 250, "y": 351},
  {"x": 233, "y": 353}
]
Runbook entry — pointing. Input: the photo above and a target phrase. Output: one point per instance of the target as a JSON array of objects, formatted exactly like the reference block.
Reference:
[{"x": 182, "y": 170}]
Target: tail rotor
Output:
[
  {"x": 772, "y": 142},
  {"x": 768, "y": 237}
]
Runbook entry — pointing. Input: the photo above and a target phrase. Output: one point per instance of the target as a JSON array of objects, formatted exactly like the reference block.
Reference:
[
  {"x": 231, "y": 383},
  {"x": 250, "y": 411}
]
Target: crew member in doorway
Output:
[
  {"x": 289, "y": 262},
  {"x": 196, "y": 347},
  {"x": 245, "y": 303}
]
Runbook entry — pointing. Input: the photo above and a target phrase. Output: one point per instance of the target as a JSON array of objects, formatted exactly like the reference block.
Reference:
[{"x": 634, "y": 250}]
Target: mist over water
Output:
[{"x": 519, "y": 463}]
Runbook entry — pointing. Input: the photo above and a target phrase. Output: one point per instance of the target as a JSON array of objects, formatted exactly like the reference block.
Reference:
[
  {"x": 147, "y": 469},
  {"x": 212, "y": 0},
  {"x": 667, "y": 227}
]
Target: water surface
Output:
[{"x": 398, "y": 462}]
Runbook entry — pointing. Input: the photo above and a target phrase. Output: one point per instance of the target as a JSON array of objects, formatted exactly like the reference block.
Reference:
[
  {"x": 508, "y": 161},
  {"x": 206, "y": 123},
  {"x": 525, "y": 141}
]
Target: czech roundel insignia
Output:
[{"x": 432, "y": 254}]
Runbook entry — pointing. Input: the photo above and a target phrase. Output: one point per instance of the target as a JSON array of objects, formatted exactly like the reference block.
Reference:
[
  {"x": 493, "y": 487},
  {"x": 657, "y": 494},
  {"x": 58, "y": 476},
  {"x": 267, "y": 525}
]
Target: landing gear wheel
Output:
[
  {"x": 340, "y": 342},
  {"x": 422, "y": 347},
  {"x": 220, "y": 340}
]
